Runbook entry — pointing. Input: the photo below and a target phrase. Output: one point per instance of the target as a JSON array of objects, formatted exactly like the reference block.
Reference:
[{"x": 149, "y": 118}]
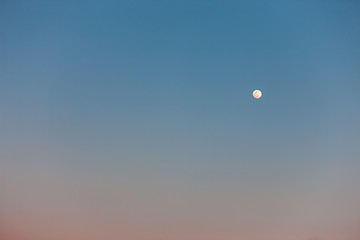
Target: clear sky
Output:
[{"x": 134, "y": 120}]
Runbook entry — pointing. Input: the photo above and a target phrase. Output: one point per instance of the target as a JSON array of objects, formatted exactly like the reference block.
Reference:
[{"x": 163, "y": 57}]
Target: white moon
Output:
[{"x": 257, "y": 94}]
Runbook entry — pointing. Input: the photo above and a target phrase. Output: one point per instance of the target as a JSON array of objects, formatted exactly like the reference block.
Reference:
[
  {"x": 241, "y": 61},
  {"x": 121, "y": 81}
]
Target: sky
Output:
[{"x": 135, "y": 120}]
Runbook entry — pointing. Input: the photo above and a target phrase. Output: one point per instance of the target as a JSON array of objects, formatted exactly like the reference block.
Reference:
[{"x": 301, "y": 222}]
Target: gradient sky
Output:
[{"x": 134, "y": 120}]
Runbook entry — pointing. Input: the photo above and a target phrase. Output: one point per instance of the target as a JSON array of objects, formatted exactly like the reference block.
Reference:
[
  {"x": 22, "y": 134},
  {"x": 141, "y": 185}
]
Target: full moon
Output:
[{"x": 257, "y": 94}]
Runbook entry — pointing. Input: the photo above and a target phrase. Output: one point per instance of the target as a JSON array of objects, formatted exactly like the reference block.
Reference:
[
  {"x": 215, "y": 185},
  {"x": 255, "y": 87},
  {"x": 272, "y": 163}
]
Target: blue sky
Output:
[{"x": 161, "y": 90}]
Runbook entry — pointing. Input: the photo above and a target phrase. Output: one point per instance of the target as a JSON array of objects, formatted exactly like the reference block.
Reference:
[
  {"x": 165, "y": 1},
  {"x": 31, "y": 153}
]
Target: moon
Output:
[{"x": 257, "y": 94}]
